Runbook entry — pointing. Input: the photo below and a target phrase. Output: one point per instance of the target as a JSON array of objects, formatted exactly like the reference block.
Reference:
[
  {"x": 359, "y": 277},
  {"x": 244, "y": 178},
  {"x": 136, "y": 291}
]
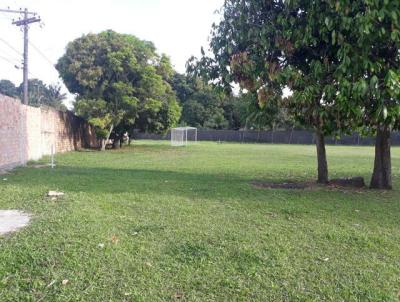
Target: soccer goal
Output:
[{"x": 182, "y": 135}]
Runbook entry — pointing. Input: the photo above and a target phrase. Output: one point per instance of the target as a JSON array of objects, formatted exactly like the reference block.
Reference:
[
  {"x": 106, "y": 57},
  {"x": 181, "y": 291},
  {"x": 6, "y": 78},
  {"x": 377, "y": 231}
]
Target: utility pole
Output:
[{"x": 28, "y": 18}]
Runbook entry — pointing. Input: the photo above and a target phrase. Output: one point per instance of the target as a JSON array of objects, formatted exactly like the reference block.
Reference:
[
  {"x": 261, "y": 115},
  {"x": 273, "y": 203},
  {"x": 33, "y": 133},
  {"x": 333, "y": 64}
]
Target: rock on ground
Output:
[{"x": 11, "y": 221}]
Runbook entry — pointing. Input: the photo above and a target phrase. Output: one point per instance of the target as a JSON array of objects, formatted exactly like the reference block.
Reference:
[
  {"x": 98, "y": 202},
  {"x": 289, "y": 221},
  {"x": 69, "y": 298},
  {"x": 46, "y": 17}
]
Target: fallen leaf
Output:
[
  {"x": 114, "y": 239},
  {"x": 148, "y": 264},
  {"x": 65, "y": 282}
]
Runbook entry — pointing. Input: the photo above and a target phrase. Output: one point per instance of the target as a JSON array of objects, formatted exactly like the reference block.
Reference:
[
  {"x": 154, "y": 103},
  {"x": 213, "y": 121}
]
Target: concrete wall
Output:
[{"x": 28, "y": 133}]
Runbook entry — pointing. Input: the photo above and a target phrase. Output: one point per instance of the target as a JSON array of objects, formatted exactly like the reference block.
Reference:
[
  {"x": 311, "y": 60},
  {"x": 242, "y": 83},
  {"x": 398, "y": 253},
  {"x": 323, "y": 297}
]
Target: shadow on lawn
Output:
[
  {"x": 164, "y": 185},
  {"x": 108, "y": 180},
  {"x": 154, "y": 182}
]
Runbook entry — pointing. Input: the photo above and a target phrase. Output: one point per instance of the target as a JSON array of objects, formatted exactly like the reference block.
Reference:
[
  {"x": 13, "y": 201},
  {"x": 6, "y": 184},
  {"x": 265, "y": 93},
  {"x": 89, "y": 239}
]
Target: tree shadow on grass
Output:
[
  {"x": 109, "y": 180},
  {"x": 186, "y": 184},
  {"x": 178, "y": 186}
]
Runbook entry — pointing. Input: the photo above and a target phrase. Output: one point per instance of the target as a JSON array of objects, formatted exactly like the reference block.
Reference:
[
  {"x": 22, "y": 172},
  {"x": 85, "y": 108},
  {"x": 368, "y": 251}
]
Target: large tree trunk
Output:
[
  {"x": 105, "y": 141},
  {"x": 117, "y": 142},
  {"x": 382, "y": 175},
  {"x": 321, "y": 155},
  {"x": 103, "y": 144}
]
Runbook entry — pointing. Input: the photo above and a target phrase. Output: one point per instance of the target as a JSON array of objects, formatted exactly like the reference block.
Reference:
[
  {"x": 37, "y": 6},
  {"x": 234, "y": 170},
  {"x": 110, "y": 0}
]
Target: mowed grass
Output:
[{"x": 156, "y": 223}]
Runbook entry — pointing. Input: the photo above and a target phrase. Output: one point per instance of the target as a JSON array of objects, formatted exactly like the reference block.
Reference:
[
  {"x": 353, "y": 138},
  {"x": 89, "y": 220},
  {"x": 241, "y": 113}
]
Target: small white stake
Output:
[{"x": 52, "y": 157}]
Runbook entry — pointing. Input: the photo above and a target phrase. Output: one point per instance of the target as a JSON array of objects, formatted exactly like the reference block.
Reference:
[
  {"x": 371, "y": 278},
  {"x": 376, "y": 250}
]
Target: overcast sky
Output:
[{"x": 177, "y": 27}]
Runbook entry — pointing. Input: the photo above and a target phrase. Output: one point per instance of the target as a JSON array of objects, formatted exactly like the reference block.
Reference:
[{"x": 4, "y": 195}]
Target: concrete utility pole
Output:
[{"x": 28, "y": 18}]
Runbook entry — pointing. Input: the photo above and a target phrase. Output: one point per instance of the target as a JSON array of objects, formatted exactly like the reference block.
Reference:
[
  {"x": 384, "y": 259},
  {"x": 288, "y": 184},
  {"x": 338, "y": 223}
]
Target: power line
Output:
[
  {"x": 10, "y": 46},
  {"x": 6, "y": 16},
  {"x": 11, "y": 56},
  {"x": 9, "y": 61},
  {"x": 5, "y": 54},
  {"x": 17, "y": 67},
  {"x": 33, "y": 75},
  {"x": 27, "y": 19},
  {"x": 41, "y": 54}
]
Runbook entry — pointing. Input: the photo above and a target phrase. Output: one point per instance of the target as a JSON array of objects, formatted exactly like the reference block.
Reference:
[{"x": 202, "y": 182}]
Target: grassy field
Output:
[{"x": 156, "y": 223}]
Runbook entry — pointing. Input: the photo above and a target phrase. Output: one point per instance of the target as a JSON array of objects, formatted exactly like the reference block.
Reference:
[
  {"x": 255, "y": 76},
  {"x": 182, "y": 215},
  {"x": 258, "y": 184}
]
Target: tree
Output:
[
  {"x": 204, "y": 106},
  {"x": 368, "y": 36},
  {"x": 182, "y": 86},
  {"x": 8, "y": 88},
  {"x": 268, "y": 45},
  {"x": 193, "y": 113},
  {"x": 120, "y": 82},
  {"x": 217, "y": 120},
  {"x": 41, "y": 94},
  {"x": 271, "y": 116},
  {"x": 164, "y": 113}
]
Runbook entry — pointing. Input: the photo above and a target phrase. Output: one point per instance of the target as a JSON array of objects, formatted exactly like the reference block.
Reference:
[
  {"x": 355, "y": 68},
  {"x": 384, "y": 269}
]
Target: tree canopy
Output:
[
  {"x": 8, "y": 88},
  {"x": 202, "y": 105},
  {"x": 368, "y": 36},
  {"x": 206, "y": 106},
  {"x": 120, "y": 82},
  {"x": 266, "y": 46},
  {"x": 340, "y": 60},
  {"x": 39, "y": 93}
]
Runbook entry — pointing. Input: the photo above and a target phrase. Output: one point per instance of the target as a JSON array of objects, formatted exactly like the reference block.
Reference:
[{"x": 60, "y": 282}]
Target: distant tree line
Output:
[
  {"x": 121, "y": 83},
  {"x": 39, "y": 93},
  {"x": 207, "y": 106}
]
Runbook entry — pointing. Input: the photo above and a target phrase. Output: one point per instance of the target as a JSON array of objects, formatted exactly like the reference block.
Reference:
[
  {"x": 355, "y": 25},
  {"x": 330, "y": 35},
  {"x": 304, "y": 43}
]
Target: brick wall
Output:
[{"x": 28, "y": 133}]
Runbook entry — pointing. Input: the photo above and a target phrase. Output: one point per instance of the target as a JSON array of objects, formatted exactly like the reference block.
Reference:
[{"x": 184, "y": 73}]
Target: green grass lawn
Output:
[{"x": 156, "y": 223}]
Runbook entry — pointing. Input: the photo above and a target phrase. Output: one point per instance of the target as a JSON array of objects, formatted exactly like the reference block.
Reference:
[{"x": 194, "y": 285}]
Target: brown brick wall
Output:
[{"x": 28, "y": 133}]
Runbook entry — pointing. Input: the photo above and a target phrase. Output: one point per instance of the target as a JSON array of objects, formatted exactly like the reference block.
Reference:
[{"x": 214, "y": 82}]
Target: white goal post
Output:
[{"x": 182, "y": 135}]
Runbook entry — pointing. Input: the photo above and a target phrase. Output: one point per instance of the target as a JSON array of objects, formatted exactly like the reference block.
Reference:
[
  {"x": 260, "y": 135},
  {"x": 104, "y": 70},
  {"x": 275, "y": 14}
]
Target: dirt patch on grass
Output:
[
  {"x": 355, "y": 182},
  {"x": 283, "y": 185},
  {"x": 340, "y": 184}
]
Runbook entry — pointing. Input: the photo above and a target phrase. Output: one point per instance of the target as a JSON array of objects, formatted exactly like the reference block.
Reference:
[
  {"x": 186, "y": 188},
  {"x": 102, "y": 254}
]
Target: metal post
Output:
[
  {"x": 26, "y": 28},
  {"x": 52, "y": 156},
  {"x": 28, "y": 18}
]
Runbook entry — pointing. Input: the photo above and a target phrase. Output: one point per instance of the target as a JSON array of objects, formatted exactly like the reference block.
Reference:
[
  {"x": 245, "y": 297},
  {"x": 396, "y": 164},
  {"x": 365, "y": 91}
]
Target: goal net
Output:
[{"x": 182, "y": 135}]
